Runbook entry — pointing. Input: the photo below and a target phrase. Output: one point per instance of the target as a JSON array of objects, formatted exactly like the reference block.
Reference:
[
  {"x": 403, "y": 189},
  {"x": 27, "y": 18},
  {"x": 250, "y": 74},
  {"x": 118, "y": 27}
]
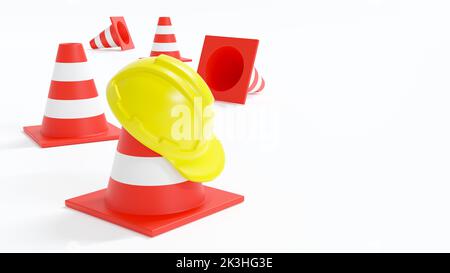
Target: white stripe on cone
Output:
[
  {"x": 144, "y": 171},
  {"x": 164, "y": 47},
  {"x": 259, "y": 81},
  {"x": 164, "y": 30},
  {"x": 257, "y": 86},
  {"x": 71, "y": 72},
  {"x": 109, "y": 38},
  {"x": 98, "y": 42},
  {"x": 73, "y": 109}
]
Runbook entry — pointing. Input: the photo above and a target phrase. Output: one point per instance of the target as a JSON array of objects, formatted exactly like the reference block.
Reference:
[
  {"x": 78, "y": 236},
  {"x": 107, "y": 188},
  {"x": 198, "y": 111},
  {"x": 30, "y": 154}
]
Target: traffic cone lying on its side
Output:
[
  {"x": 257, "y": 83},
  {"x": 165, "y": 41},
  {"x": 116, "y": 35},
  {"x": 227, "y": 66},
  {"x": 73, "y": 113},
  {"x": 148, "y": 195}
]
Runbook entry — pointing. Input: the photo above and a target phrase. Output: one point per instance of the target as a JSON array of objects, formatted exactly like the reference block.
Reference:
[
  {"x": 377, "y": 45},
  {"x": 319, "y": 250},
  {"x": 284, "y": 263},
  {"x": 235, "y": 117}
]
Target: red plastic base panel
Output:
[
  {"x": 121, "y": 33},
  {"x": 94, "y": 204},
  {"x": 45, "y": 142},
  {"x": 226, "y": 65}
]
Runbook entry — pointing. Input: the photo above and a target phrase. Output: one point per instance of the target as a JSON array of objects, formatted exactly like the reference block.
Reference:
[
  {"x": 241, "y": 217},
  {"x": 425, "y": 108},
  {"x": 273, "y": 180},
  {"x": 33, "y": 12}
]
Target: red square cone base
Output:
[
  {"x": 226, "y": 65},
  {"x": 45, "y": 142},
  {"x": 94, "y": 204}
]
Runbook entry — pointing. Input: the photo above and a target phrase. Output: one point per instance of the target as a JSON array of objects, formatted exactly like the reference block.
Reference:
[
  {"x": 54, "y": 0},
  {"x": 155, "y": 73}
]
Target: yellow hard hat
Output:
[{"x": 149, "y": 98}]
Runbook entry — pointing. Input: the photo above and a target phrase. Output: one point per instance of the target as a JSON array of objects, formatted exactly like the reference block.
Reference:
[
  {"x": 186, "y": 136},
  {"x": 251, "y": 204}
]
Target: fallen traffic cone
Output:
[
  {"x": 257, "y": 83},
  {"x": 148, "y": 195},
  {"x": 116, "y": 35},
  {"x": 165, "y": 41},
  {"x": 73, "y": 113},
  {"x": 227, "y": 65}
]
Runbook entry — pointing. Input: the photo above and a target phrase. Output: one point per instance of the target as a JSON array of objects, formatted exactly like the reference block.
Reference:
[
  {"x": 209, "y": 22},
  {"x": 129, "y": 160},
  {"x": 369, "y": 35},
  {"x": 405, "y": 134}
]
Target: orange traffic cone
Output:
[
  {"x": 116, "y": 35},
  {"x": 73, "y": 113},
  {"x": 257, "y": 83},
  {"x": 148, "y": 195},
  {"x": 165, "y": 41},
  {"x": 227, "y": 66},
  {"x": 140, "y": 175}
]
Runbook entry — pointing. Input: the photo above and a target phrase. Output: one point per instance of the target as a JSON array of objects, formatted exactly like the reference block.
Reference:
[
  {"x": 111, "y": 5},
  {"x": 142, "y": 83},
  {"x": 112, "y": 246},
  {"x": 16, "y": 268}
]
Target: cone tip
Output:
[
  {"x": 164, "y": 21},
  {"x": 71, "y": 53}
]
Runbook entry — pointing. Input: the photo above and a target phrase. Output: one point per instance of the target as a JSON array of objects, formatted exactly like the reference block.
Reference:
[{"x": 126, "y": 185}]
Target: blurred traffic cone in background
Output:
[
  {"x": 165, "y": 41},
  {"x": 148, "y": 195},
  {"x": 257, "y": 83},
  {"x": 116, "y": 35},
  {"x": 227, "y": 66},
  {"x": 73, "y": 113}
]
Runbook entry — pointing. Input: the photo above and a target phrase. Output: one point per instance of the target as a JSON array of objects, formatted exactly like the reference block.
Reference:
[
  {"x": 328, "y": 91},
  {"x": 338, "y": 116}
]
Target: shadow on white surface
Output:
[
  {"x": 103, "y": 50},
  {"x": 47, "y": 220},
  {"x": 20, "y": 142},
  {"x": 70, "y": 229}
]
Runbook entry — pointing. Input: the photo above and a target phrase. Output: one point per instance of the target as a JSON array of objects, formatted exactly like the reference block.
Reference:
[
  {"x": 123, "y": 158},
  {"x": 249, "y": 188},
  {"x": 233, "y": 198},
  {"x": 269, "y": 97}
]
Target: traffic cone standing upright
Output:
[
  {"x": 116, "y": 35},
  {"x": 144, "y": 183},
  {"x": 165, "y": 41},
  {"x": 148, "y": 195},
  {"x": 73, "y": 113}
]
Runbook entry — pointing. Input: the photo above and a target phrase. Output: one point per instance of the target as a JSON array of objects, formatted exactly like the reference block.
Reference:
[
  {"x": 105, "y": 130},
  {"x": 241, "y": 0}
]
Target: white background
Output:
[{"x": 347, "y": 148}]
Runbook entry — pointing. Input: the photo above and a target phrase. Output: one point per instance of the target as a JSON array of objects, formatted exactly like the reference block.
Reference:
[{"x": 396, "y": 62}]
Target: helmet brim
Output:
[{"x": 205, "y": 167}]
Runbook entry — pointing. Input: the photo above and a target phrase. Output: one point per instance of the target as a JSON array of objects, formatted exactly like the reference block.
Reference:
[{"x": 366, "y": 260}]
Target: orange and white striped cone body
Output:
[
  {"x": 257, "y": 83},
  {"x": 73, "y": 113},
  {"x": 73, "y": 107},
  {"x": 144, "y": 183},
  {"x": 165, "y": 41},
  {"x": 114, "y": 36},
  {"x": 147, "y": 194}
]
